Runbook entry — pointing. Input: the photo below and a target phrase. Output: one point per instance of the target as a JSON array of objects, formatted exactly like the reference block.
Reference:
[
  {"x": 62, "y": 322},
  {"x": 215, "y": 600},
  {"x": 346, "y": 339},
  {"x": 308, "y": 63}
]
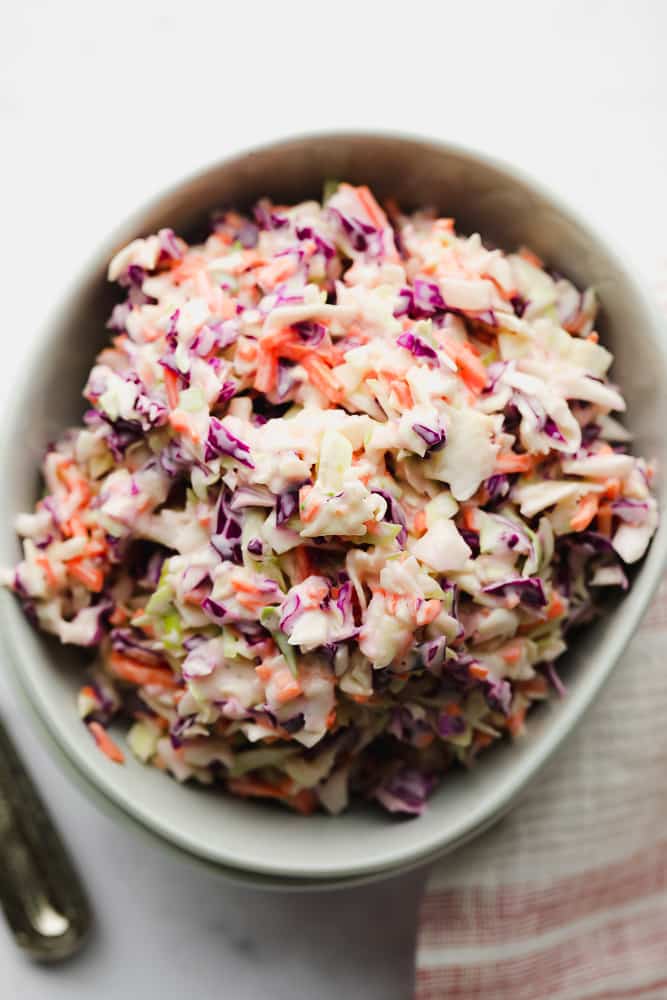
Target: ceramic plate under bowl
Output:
[{"x": 483, "y": 196}]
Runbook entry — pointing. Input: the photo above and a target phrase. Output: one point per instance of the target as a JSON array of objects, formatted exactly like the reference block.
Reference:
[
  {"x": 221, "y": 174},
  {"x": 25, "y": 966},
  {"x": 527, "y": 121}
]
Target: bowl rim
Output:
[{"x": 534, "y": 758}]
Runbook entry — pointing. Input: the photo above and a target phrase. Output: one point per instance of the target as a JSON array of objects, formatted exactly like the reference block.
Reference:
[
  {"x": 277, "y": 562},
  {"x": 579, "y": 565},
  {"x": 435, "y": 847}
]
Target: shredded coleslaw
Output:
[{"x": 346, "y": 482}]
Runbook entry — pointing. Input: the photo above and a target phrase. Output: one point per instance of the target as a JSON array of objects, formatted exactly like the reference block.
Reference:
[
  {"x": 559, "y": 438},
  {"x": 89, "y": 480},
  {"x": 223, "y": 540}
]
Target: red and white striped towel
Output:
[{"x": 566, "y": 898}]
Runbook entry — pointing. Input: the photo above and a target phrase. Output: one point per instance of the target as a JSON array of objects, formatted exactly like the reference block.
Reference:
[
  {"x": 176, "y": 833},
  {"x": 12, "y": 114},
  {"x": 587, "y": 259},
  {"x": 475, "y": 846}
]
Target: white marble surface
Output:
[{"x": 100, "y": 107}]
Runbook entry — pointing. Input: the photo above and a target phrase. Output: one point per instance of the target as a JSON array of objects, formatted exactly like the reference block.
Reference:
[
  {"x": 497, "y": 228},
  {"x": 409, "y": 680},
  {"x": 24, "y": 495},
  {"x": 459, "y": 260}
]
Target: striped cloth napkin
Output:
[{"x": 566, "y": 898}]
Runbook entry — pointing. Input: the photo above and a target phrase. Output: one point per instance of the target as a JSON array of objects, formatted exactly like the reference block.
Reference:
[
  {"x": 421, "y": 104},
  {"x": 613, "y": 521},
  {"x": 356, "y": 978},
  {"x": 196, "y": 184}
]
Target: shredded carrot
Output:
[
  {"x": 80, "y": 491},
  {"x": 265, "y": 649},
  {"x": 49, "y": 572},
  {"x": 304, "y": 802},
  {"x": 118, "y": 616},
  {"x": 470, "y": 366},
  {"x": 419, "y": 524},
  {"x": 323, "y": 378},
  {"x": 233, "y": 219},
  {"x": 481, "y": 497},
  {"x": 215, "y": 299},
  {"x": 371, "y": 207},
  {"x": 62, "y": 467},
  {"x": 90, "y": 576},
  {"x": 510, "y": 461},
  {"x": 470, "y": 518},
  {"x": 246, "y": 349},
  {"x": 291, "y": 348},
  {"x": 188, "y": 267},
  {"x": 106, "y": 744},
  {"x": 277, "y": 270},
  {"x": 612, "y": 489},
  {"x": 361, "y": 699},
  {"x": 515, "y": 721},
  {"x": 536, "y": 687},
  {"x": 277, "y": 339},
  {"x": 391, "y": 207},
  {"x": 574, "y": 325},
  {"x": 250, "y": 601},
  {"x": 302, "y": 563},
  {"x": 424, "y": 740},
  {"x": 252, "y": 259},
  {"x": 74, "y": 527},
  {"x": 556, "y": 606},
  {"x": 92, "y": 549},
  {"x": 303, "y": 493},
  {"x": 452, "y": 708},
  {"x": 604, "y": 519},
  {"x": 171, "y": 384},
  {"x": 264, "y": 672},
  {"x": 444, "y": 225},
  {"x": 134, "y": 672},
  {"x": 593, "y": 337},
  {"x": 587, "y": 508},
  {"x": 245, "y": 586},
  {"x": 478, "y": 671},
  {"x": 530, "y": 257},
  {"x": 182, "y": 422},
  {"x": 227, "y": 306},
  {"x": 511, "y": 652},
  {"x": 266, "y": 375},
  {"x": 401, "y": 390},
  {"x": 287, "y": 685},
  {"x": 294, "y": 350},
  {"x": 254, "y": 788},
  {"x": 194, "y": 597},
  {"x": 248, "y": 594},
  {"x": 428, "y": 612},
  {"x": 73, "y": 478},
  {"x": 203, "y": 285},
  {"x": 155, "y": 720},
  {"x": 482, "y": 740},
  {"x": 392, "y": 601},
  {"x": 308, "y": 515},
  {"x": 331, "y": 719},
  {"x": 221, "y": 726}
]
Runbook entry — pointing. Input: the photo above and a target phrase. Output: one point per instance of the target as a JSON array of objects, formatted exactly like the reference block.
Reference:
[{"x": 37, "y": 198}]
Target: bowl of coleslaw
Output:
[{"x": 355, "y": 515}]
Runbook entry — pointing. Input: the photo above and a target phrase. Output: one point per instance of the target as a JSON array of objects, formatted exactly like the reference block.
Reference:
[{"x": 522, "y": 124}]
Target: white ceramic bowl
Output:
[{"x": 273, "y": 847}]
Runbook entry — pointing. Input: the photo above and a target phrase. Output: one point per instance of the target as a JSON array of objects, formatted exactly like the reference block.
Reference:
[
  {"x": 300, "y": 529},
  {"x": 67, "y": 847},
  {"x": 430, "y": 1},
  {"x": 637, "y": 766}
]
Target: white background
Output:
[{"x": 102, "y": 106}]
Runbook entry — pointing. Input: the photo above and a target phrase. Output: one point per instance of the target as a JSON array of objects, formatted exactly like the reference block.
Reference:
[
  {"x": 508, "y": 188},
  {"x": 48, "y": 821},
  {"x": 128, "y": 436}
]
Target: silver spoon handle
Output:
[{"x": 40, "y": 891}]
